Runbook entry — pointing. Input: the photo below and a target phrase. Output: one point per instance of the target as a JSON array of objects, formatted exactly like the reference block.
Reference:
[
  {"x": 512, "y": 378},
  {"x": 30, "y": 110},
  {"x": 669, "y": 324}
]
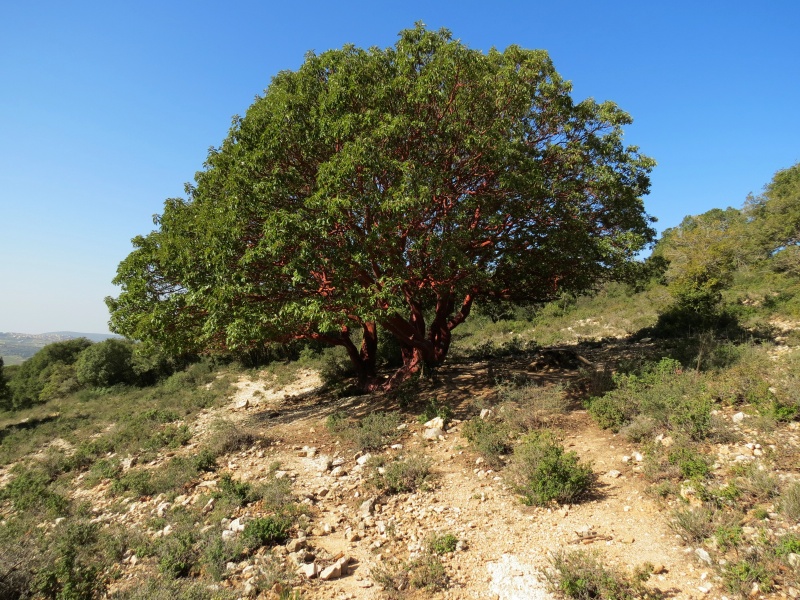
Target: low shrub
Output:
[
  {"x": 488, "y": 438},
  {"x": 442, "y": 543},
  {"x": 399, "y": 476},
  {"x": 266, "y": 531},
  {"x": 423, "y": 573},
  {"x": 373, "y": 431},
  {"x": 542, "y": 472},
  {"x": 582, "y": 575},
  {"x": 789, "y": 502},
  {"x": 694, "y": 524}
]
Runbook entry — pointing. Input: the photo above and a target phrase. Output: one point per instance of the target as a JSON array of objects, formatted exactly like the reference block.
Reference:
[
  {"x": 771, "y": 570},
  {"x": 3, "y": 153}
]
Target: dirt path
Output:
[{"x": 507, "y": 544}]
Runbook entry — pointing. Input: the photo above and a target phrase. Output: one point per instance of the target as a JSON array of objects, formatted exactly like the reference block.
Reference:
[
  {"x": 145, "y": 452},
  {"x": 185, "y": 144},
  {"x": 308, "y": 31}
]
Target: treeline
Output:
[
  {"x": 722, "y": 263},
  {"x": 62, "y": 368}
]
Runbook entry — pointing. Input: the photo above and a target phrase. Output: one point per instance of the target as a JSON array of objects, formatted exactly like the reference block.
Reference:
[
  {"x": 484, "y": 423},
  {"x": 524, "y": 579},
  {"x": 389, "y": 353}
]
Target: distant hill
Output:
[{"x": 15, "y": 348}]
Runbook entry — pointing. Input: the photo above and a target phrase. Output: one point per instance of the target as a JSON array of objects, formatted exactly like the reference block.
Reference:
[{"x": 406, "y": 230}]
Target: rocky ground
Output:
[{"x": 503, "y": 546}]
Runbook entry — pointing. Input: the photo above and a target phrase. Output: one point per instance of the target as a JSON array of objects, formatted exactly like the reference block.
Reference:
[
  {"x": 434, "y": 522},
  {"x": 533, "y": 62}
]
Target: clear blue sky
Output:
[{"x": 107, "y": 108}]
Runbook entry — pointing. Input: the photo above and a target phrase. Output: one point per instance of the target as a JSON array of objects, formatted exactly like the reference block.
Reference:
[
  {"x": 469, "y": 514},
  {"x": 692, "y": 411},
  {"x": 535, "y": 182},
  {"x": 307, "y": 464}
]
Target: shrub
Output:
[
  {"x": 434, "y": 409},
  {"x": 529, "y": 406},
  {"x": 489, "y": 438},
  {"x": 266, "y": 531},
  {"x": 442, "y": 543},
  {"x": 425, "y": 572},
  {"x": 789, "y": 502},
  {"x": 105, "y": 364},
  {"x": 35, "y": 373},
  {"x": 693, "y": 524},
  {"x": 400, "y": 476},
  {"x": 581, "y": 575},
  {"x": 373, "y": 431},
  {"x": 543, "y": 472}
]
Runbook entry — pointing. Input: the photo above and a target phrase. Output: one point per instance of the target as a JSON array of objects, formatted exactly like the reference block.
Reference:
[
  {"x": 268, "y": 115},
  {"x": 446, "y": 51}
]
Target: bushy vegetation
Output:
[{"x": 543, "y": 472}]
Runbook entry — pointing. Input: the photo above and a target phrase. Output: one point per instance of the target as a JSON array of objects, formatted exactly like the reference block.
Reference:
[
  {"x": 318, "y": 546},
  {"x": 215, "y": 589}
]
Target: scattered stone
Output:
[
  {"x": 208, "y": 507},
  {"x": 243, "y": 404},
  {"x": 335, "y": 570},
  {"x": 296, "y": 544},
  {"x": 362, "y": 460},
  {"x": 658, "y": 569},
  {"x": 614, "y": 474},
  {"x": 738, "y": 417},
  {"x": 486, "y": 413}
]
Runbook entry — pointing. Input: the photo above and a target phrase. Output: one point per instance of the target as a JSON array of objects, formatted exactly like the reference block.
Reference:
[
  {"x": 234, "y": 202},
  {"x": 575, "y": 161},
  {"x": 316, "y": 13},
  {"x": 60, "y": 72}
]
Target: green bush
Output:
[
  {"x": 399, "y": 476},
  {"x": 266, "y": 531},
  {"x": 35, "y": 373},
  {"x": 488, "y": 438},
  {"x": 442, "y": 543},
  {"x": 543, "y": 472},
  {"x": 105, "y": 364},
  {"x": 582, "y": 575}
]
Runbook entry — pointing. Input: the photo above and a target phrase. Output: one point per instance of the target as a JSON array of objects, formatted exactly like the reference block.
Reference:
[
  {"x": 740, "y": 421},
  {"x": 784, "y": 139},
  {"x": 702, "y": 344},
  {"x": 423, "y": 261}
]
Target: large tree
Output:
[{"x": 388, "y": 190}]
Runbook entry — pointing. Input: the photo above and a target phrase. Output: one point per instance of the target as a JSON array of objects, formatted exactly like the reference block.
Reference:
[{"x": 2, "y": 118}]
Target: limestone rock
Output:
[{"x": 434, "y": 433}]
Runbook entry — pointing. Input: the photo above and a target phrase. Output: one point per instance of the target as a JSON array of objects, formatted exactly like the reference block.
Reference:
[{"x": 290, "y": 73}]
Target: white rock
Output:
[
  {"x": 433, "y": 434},
  {"x": 362, "y": 460},
  {"x": 486, "y": 413},
  {"x": 702, "y": 555},
  {"x": 243, "y": 404},
  {"x": 310, "y": 570},
  {"x": 738, "y": 417},
  {"x": 435, "y": 423},
  {"x": 614, "y": 473}
]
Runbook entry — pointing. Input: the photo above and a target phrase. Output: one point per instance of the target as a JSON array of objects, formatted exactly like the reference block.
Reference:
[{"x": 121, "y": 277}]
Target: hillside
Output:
[
  {"x": 229, "y": 483},
  {"x": 17, "y": 347}
]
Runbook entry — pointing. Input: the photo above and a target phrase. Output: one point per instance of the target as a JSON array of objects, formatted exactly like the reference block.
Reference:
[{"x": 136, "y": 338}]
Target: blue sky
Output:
[{"x": 107, "y": 108}]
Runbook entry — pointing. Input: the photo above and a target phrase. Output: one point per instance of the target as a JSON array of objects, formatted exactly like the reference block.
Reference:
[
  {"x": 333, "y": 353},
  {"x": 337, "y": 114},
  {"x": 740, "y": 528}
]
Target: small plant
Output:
[
  {"x": 789, "y": 502},
  {"x": 739, "y": 576},
  {"x": 400, "y": 476},
  {"x": 373, "y": 431},
  {"x": 266, "y": 531},
  {"x": 489, "y": 438},
  {"x": 240, "y": 492},
  {"x": 691, "y": 463},
  {"x": 543, "y": 472},
  {"x": 582, "y": 575},
  {"x": 442, "y": 543},
  {"x": 434, "y": 409},
  {"x": 693, "y": 524},
  {"x": 425, "y": 572}
]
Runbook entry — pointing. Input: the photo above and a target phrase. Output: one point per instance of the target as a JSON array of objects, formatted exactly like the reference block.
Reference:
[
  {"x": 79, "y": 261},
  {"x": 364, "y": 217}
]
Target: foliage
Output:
[
  {"x": 35, "y": 373},
  {"x": 581, "y": 575},
  {"x": 673, "y": 398},
  {"x": 372, "y": 186},
  {"x": 105, "y": 364},
  {"x": 442, "y": 543},
  {"x": 370, "y": 433},
  {"x": 489, "y": 438},
  {"x": 399, "y": 476},
  {"x": 425, "y": 572},
  {"x": 5, "y": 391},
  {"x": 433, "y": 409},
  {"x": 542, "y": 472},
  {"x": 266, "y": 531}
]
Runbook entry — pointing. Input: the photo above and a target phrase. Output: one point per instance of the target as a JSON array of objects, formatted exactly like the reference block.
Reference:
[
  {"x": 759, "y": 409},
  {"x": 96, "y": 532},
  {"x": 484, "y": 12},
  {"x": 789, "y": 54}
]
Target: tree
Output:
[
  {"x": 41, "y": 376},
  {"x": 776, "y": 212},
  {"x": 105, "y": 364},
  {"x": 703, "y": 253},
  {"x": 5, "y": 392},
  {"x": 389, "y": 189}
]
